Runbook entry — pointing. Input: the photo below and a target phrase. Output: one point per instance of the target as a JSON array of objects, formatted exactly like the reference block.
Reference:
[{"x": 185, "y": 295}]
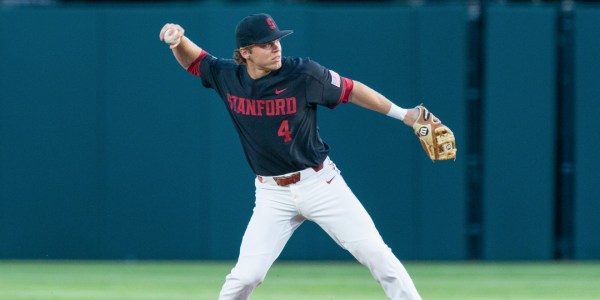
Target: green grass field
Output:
[{"x": 60, "y": 280}]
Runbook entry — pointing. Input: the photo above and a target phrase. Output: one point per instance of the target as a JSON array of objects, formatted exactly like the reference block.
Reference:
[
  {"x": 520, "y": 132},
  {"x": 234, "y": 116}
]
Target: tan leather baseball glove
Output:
[{"x": 436, "y": 138}]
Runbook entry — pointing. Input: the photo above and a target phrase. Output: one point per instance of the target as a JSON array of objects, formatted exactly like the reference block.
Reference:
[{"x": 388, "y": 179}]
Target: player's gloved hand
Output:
[{"x": 436, "y": 138}]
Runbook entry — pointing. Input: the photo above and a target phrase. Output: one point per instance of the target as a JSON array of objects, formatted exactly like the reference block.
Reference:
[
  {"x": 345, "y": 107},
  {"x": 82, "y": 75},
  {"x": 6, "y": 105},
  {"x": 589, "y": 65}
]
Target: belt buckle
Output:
[
  {"x": 293, "y": 178},
  {"x": 287, "y": 180}
]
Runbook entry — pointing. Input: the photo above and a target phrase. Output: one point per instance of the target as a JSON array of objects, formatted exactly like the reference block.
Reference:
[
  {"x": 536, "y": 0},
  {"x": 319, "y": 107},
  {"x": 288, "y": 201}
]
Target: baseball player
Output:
[{"x": 272, "y": 101}]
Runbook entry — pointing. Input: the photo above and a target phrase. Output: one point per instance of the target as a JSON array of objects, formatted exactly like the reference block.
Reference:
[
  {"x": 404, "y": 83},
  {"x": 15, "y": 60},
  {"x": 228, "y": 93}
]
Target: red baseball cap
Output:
[{"x": 258, "y": 29}]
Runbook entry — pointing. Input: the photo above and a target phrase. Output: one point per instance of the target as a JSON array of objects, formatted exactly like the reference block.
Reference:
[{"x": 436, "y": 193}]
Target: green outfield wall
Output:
[
  {"x": 110, "y": 150},
  {"x": 520, "y": 132},
  {"x": 587, "y": 65}
]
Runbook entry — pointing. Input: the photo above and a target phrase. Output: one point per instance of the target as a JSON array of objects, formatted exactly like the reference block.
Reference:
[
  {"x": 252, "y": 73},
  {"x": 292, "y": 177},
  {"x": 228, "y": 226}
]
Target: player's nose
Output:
[{"x": 276, "y": 46}]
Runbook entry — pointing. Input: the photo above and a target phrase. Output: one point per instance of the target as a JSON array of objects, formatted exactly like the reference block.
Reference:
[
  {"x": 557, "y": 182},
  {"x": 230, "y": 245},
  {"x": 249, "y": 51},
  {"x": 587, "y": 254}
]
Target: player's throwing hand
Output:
[{"x": 171, "y": 34}]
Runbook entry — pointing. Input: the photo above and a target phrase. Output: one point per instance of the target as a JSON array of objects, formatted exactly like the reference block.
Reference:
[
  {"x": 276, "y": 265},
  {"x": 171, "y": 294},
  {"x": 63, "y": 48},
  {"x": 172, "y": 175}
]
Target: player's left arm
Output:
[{"x": 366, "y": 97}]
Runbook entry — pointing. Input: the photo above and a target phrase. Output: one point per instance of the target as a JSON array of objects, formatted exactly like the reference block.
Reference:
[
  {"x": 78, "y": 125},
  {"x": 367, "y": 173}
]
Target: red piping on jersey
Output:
[
  {"x": 347, "y": 86},
  {"x": 194, "y": 68}
]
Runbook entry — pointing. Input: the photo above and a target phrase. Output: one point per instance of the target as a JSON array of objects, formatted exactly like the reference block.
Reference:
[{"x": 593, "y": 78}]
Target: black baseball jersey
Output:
[{"x": 276, "y": 115}]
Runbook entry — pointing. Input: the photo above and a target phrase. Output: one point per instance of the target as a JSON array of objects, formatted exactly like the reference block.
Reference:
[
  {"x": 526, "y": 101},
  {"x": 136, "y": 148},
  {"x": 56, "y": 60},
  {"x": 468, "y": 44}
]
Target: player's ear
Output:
[{"x": 245, "y": 52}]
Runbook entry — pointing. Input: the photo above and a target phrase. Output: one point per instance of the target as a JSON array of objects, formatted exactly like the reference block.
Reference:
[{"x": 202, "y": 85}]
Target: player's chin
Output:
[{"x": 275, "y": 65}]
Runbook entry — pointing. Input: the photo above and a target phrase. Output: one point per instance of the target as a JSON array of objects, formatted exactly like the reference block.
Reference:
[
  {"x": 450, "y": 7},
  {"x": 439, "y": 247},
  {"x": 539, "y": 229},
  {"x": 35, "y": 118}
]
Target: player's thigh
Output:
[
  {"x": 274, "y": 220},
  {"x": 335, "y": 208}
]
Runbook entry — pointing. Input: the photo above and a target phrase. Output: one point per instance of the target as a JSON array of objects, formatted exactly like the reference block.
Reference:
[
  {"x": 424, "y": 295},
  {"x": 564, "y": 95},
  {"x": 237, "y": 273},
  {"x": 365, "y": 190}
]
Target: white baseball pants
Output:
[{"x": 325, "y": 198}]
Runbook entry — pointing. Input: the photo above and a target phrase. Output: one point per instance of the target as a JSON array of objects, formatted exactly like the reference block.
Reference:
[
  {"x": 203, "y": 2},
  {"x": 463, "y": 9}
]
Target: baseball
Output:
[{"x": 171, "y": 36}]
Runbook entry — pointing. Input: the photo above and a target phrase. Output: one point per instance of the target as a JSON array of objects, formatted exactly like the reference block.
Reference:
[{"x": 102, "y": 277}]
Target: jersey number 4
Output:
[{"x": 284, "y": 131}]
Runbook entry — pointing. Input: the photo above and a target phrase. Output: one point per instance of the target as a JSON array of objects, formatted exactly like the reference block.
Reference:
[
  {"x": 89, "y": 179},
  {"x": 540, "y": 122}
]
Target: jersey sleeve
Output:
[
  {"x": 326, "y": 87},
  {"x": 194, "y": 68},
  {"x": 207, "y": 67}
]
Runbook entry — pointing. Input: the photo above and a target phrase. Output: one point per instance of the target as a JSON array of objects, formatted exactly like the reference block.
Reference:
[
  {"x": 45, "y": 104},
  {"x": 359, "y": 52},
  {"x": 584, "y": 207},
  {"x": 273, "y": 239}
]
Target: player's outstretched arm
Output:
[
  {"x": 368, "y": 98},
  {"x": 184, "y": 50}
]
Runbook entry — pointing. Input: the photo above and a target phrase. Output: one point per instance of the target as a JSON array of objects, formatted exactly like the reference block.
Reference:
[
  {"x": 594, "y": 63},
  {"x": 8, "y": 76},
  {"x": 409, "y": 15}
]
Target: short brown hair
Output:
[{"x": 237, "y": 56}]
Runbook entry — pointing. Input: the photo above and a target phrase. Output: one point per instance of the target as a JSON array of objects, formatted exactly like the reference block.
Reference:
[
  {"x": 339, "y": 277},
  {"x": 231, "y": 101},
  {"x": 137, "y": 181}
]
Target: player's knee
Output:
[
  {"x": 252, "y": 280},
  {"x": 372, "y": 254},
  {"x": 247, "y": 279},
  {"x": 377, "y": 256}
]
